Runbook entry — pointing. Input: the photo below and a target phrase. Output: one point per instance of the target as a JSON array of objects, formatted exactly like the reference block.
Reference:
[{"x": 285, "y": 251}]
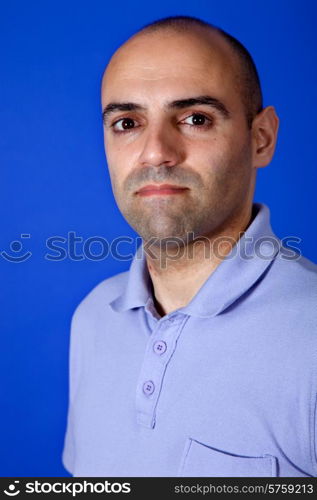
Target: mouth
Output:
[{"x": 161, "y": 189}]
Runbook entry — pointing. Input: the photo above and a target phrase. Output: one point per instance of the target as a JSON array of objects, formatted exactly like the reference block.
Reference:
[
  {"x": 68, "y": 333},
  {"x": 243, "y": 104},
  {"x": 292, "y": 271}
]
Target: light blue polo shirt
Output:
[{"x": 226, "y": 386}]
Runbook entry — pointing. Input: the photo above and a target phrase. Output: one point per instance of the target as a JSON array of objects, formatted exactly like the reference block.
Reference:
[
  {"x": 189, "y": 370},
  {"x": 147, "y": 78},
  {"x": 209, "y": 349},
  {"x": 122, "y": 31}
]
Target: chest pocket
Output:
[{"x": 200, "y": 460}]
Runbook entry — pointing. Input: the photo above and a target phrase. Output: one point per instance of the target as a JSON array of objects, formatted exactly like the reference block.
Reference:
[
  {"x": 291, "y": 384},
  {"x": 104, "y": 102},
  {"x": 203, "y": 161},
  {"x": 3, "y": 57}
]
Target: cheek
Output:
[
  {"x": 222, "y": 166},
  {"x": 223, "y": 151},
  {"x": 114, "y": 171},
  {"x": 120, "y": 154},
  {"x": 208, "y": 159},
  {"x": 117, "y": 165}
]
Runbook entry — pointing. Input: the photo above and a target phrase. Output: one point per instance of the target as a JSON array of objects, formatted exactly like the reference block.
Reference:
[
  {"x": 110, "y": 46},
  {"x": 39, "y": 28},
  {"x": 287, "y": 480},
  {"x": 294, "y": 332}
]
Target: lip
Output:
[{"x": 160, "y": 189}]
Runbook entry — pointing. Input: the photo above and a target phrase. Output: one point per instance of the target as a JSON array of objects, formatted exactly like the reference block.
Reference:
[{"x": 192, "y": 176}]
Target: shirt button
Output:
[
  {"x": 148, "y": 387},
  {"x": 159, "y": 347}
]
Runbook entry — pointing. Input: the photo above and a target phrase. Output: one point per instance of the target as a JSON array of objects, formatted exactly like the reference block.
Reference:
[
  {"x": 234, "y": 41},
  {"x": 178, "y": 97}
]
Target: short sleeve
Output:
[
  {"x": 315, "y": 428},
  {"x": 68, "y": 455}
]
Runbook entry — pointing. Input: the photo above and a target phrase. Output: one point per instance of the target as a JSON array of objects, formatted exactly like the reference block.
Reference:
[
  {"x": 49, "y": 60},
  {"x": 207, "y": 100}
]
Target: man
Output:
[{"x": 202, "y": 359}]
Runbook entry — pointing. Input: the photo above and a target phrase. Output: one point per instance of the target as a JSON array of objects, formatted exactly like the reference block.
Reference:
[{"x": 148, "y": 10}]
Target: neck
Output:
[{"x": 178, "y": 273}]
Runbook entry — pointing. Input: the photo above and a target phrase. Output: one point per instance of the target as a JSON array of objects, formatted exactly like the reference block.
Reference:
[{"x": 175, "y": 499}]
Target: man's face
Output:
[{"x": 174, "y": 115}]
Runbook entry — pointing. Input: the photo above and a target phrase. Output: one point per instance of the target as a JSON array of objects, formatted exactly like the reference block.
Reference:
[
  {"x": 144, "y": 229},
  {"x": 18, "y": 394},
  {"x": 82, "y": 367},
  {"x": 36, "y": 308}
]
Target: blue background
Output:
[{"x": 55, "y": 180}]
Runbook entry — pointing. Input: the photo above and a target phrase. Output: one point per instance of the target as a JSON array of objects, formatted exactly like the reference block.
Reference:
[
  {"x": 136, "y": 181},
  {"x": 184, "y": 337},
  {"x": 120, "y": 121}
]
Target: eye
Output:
[
  {"x": 124, "y": 124},
  {"x": 197, "y": 120}
]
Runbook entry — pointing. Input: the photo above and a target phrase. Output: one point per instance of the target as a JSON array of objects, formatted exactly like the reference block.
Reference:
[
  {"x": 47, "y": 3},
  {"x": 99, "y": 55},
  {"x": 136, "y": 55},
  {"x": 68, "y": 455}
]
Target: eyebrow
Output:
[{"x": 213, "y": 102}]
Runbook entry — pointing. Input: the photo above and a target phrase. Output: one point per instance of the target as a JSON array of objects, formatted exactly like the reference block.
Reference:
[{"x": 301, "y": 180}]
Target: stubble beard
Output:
[
  {"x": 169, "y": 223},
  {"x": 176, "y": 220}
]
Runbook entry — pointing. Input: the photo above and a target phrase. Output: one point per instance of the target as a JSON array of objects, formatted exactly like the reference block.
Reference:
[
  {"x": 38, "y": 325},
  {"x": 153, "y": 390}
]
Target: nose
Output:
[{"x": 161, "y": 147}]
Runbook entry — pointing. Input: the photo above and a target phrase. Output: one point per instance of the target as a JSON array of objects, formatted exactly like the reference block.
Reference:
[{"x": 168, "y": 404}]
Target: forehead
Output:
[{"x": 170, "y": 64}]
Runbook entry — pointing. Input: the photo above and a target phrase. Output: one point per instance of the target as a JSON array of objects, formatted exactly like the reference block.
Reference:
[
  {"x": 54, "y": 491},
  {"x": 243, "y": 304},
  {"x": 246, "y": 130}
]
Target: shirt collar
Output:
[{"x": 241, "y": 268}]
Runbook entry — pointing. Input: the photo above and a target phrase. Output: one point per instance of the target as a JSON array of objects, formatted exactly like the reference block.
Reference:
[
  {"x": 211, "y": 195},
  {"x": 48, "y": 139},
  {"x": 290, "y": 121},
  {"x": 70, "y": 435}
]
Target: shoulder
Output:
[
  {"x": 100, "y": 296},
  {"x": 296, "y": 272},
  {"x": 292, "y": 291}
]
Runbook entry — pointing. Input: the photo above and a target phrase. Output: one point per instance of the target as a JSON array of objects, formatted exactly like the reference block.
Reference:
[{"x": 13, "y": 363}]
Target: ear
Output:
[{"x": 264, "y": 136}]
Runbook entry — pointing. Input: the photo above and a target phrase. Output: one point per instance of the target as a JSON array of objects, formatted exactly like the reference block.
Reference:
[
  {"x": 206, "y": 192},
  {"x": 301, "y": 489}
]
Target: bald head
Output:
[{"x": 244, "y": 74}]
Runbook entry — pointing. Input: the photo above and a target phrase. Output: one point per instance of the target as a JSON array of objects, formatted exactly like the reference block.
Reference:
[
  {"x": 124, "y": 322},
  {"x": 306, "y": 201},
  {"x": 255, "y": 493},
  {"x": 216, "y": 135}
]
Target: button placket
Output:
[{"x": 159, "y": 350}]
